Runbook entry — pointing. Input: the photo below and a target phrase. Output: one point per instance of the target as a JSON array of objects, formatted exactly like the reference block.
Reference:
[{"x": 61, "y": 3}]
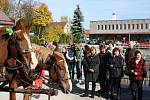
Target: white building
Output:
[{"x": 134, "y": 29}]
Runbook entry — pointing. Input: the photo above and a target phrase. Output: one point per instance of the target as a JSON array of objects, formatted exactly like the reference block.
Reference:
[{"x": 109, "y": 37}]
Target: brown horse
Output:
[
  {"x": 58, "y": 71},
  {"x": 3, "y": 48},
  {"x": 18, "y": 58}
]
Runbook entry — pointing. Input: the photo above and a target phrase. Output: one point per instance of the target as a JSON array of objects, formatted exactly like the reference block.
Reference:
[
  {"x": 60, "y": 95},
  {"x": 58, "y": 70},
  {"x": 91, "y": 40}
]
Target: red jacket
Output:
[{"x": 137, "y": 69}]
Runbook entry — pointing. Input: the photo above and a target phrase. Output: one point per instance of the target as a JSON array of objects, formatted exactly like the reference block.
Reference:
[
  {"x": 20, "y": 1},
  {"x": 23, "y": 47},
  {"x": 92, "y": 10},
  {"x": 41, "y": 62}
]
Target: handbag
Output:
[
  {"x": 127, "y": 71},
  {"x": 144, "y": 75}
]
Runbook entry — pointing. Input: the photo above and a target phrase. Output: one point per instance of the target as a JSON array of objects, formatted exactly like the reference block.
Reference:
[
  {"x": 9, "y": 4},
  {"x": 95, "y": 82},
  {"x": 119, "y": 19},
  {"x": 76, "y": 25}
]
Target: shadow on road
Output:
[{"x": 78, "y": 89}]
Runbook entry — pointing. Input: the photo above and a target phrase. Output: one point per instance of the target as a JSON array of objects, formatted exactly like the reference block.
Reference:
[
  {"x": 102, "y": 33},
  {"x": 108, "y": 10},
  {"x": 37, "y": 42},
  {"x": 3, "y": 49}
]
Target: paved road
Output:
[{"x": 78, "y": 90}]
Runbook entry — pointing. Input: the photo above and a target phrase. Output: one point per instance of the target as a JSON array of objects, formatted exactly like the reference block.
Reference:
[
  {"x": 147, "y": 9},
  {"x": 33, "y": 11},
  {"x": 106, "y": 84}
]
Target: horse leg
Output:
[
  {"x": 27, "y": 96},
  {"x": 1, "y": 70},
  {"x": 13, "y": 84}
]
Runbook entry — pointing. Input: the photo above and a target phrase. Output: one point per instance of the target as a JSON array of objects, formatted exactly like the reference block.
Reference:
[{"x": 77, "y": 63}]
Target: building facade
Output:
[
  {"x": 64, "y": 25},
  {"x": 120, "y": 30}
]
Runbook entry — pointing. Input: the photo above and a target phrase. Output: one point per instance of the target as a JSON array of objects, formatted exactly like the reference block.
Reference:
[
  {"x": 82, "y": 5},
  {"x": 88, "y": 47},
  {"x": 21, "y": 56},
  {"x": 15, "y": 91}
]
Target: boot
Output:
[
  {"x": 92, "y": 95},
  {"x": 85, "y": 94},
  {"x": 93, "y": 89},
  {"x": 118, "y": 94},
  {"x": 86, "y": 89},
  {"x": 118, "y": 97}
]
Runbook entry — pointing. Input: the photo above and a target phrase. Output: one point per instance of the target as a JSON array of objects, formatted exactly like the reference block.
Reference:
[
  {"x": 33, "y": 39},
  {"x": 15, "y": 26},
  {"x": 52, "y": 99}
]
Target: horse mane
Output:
[
  {"x": 42, "y": 53},
  {"x": 58, "y": 54}
]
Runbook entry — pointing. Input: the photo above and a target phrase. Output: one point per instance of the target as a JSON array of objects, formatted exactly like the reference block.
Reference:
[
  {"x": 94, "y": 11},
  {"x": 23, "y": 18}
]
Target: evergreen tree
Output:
[{"x": 76, "y": 27}]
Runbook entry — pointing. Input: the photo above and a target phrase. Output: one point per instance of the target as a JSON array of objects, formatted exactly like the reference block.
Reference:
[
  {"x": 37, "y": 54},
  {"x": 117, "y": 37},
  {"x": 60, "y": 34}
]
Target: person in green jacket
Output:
[{"x": 78, "y": 59}]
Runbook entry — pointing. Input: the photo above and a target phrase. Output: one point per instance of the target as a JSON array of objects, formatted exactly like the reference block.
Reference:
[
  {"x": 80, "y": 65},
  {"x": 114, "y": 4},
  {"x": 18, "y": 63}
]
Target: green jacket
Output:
[{"x": 79, "y": 54}]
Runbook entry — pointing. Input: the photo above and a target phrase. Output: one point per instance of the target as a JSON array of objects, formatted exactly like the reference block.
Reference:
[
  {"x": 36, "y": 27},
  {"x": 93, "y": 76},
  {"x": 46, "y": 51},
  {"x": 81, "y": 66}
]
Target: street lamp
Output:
[
  {"x": 124, "y": 38},
  {"x": 129, "y": 36}
]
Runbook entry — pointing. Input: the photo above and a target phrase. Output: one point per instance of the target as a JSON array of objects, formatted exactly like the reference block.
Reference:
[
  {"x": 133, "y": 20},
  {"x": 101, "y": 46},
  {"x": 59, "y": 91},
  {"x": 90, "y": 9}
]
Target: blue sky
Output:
[{"x": 100, "y": 9}]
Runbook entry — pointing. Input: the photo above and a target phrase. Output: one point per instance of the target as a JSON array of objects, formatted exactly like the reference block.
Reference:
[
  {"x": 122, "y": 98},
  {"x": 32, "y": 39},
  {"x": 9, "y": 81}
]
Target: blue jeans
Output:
[{"x": 79, "y": 69}]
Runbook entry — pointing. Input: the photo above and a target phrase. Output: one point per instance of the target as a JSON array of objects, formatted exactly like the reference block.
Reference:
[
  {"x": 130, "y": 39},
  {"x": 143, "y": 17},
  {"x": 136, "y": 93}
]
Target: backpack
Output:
[{"x": 71, "y": 53}]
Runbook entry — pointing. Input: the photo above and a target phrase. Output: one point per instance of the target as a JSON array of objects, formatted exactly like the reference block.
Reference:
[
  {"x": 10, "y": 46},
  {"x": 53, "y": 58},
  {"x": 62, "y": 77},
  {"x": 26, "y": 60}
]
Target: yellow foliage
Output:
[
  {"x": 42, "y": 16},
  {"x": 54, "y": 34}
]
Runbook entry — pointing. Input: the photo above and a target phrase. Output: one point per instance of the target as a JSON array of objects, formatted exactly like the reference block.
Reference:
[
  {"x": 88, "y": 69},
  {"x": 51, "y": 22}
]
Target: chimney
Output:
[{"x": 114, "y": 16}]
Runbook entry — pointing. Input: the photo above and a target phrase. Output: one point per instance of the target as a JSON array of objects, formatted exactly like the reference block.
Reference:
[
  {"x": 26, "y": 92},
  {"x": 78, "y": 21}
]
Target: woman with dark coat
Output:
[
  {"x": 86, "y": 53},
  {"x": 92, "y": 68},
  {"x": 138, "y": 73},
  {"x": 116, "y": 72},
  {"x": 102, "y": 69}
]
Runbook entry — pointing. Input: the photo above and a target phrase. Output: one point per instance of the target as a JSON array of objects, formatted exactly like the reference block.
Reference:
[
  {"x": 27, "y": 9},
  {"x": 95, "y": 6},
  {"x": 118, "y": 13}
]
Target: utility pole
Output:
[{"x": 129, "y": 37}]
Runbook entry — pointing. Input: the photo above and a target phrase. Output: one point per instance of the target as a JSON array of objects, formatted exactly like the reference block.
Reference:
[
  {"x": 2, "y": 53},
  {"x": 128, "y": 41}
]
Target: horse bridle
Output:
[
  {"x": 22, "y": 62},
  {"x": 27, "y": 50}
]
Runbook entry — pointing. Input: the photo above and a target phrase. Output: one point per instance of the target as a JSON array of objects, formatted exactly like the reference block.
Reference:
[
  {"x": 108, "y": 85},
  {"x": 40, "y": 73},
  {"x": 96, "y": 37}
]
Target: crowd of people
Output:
[{"x": 106, "y": 68}]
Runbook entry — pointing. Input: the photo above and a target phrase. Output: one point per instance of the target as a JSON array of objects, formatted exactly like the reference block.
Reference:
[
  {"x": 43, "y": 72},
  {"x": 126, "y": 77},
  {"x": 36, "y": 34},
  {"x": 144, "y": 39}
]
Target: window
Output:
[
  {"x": 141, "y": 26},
  {"x": 102, "y": 27},
  {"x": 105, "y": 27},
  {"x": 137, "y": 26},
  {"x": 128, "y": 26},
  {"x": 117, "y": 27},
  {"x": 109, "y": 27},
  {"x": 98, "y": 27},
  {"x": 146, "y": 26},
  {"x": 121, "y": 26},
  {"x": 125, "y": 27},
  {"x": 132, "y": 26},
  {"x": 113, "y": 27}
]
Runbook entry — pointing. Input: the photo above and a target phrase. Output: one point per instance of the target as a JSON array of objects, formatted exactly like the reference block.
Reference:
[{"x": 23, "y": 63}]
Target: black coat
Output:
[
  {"x": 129, "y": 54},
  {"x": 102, "y": 66},
  {"x": 116, "y": 66},
  {"x": 92, "y": 62}
]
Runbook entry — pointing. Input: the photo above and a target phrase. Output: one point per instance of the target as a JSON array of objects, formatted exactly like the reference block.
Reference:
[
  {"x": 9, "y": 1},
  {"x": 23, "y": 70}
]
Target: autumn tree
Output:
[
  {"x": 53, "y": 33},
  {"x": 42, "y": 17},
  {"x": 18, "y": 8},
  {"x": 6, "y": 6},
  {"x": 76, "y": 27},
  {"x": 65, "y": 39}
]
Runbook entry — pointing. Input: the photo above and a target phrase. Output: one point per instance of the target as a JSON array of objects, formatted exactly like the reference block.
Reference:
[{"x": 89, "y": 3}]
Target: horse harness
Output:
[{"x": 21, "y": 66}]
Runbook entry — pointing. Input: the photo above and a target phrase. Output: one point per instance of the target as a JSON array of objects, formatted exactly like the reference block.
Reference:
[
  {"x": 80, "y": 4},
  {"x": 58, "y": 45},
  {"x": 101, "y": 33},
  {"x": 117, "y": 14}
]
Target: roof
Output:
[
  {"x": 117, "y": 33},
  {"x": 87, "y": 32},
  {"x": 120, "y": 20},
  {"x": 55, "y": 24},
  {"x": 4, "y": 19}
]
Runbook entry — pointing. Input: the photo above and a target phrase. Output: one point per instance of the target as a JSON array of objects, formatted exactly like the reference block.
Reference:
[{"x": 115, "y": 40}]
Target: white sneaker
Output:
[{"x": 80, "y": 81}]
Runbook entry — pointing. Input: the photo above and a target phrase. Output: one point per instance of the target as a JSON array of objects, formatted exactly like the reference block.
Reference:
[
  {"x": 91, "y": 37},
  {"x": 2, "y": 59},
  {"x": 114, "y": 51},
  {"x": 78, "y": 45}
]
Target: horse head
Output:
[
  {"x": 55, "y": 63},
  {"x": 59, "y": 72},
  {"x": 24, "y": 44}
]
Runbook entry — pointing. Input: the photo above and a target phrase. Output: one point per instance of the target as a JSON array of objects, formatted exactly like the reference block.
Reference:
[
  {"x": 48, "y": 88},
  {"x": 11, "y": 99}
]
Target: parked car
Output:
[{"x": 92, "y": 41}]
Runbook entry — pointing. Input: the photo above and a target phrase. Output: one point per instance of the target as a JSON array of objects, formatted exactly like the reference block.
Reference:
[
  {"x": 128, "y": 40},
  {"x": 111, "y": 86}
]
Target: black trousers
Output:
[
  {"x": 71, "y": 66},
  {"x": 102, "y": 79},
  {"x": 87, "y": 87},
  {"x": 115, "y": 85},
  {"x": 137, "y": 89},
  {"x": 103, "y": 85}
]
